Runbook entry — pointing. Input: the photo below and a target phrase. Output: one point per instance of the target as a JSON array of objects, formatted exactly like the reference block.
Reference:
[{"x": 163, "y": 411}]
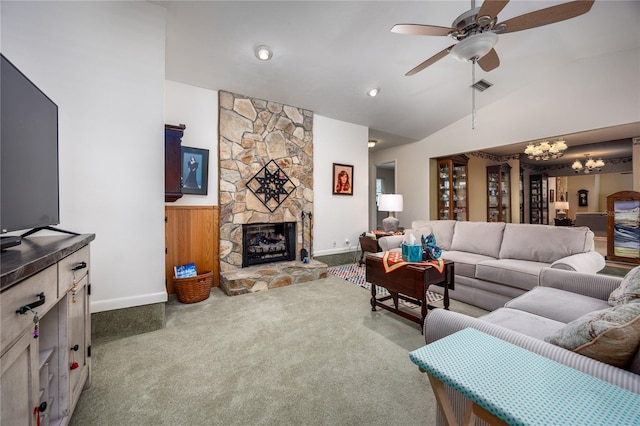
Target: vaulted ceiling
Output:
[{"x": 327, "y": 55}]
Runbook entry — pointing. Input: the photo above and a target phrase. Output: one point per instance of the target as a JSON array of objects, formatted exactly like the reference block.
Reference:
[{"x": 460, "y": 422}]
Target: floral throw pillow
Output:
[
  {"x": 629, "y": 289},
  {"x": 610, "y": 335}
]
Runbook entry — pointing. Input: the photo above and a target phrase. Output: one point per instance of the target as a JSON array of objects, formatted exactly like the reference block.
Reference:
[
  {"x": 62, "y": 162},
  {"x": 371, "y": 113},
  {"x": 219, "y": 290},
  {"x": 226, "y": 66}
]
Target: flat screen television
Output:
[{"x": 29, "y": 155}]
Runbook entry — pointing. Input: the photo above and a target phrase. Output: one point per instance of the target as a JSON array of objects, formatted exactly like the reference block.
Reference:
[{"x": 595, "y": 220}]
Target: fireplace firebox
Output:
[{"x": 268, "y": 242}]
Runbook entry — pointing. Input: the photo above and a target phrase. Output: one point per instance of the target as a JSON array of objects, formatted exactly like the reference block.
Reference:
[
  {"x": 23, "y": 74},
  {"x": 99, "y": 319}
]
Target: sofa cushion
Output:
[
  {"x": 523, "y": 322},
  {"x": 465, "y": 263},
  {"x": 478, "y": 237},
  {"x": 559, "y": 305},
  {"x": 512, "y": 272},
  {"x": 442, "y": 229},
  {"x": 543, "y": 243},
  {"x": 610, "y": 335},
  {"x": 629, "y": 289}
]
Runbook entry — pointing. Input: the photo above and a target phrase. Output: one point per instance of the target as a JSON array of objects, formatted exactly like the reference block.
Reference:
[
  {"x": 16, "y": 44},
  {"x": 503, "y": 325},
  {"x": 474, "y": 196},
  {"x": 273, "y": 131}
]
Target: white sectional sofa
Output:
[
  {"x": 496, "y": 262},
  {"x": 603, "y": 346}
]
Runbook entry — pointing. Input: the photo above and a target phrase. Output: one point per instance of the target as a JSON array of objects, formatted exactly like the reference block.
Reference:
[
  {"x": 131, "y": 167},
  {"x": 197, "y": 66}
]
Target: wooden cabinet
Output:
[
  {"x": 172, "y": 162},
  {"x": 499, "y": 193},
  {"x": 43, "y": 376},
  {"x": 191, "y": 236},
  {"x": 453, "y": 192},
  {"x": 538, "y": 201}
]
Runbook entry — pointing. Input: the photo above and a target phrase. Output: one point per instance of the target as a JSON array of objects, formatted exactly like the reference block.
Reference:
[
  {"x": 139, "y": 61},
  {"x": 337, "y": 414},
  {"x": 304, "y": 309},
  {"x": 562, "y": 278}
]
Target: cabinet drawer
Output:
[
  {"x": 26, "y": 293},
  {"x": 66, "y": 272}
]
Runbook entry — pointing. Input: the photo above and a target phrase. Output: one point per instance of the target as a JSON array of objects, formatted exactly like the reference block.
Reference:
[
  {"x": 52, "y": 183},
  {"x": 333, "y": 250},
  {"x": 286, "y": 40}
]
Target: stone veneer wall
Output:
[{"x": 253, "y": 132}]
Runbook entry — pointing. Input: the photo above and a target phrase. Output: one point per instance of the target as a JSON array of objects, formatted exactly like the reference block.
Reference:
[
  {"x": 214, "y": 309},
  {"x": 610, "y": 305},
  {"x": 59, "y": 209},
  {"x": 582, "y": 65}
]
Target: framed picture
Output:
[
  {"x": 583, "y": 198},
  {"x": 552, "y": 196},
  {"x": 342, "y": 179},
  {"x": 195, "y": 170}
]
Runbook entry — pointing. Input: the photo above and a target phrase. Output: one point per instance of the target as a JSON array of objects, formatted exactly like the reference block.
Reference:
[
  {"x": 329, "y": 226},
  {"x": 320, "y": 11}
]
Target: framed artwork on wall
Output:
[
  {"x": 583, "y": 198},
  {"x": 195, "y": 170},
  {"x": 342, "y": 179},
  {"x": 552, "y": 196}
]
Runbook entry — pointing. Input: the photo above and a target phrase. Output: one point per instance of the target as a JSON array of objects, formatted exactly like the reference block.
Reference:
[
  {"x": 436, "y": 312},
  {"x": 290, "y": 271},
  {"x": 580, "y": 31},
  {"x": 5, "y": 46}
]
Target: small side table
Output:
[
  {"x": 368, "y": 244},
  {"x": 507, "y": 384}
]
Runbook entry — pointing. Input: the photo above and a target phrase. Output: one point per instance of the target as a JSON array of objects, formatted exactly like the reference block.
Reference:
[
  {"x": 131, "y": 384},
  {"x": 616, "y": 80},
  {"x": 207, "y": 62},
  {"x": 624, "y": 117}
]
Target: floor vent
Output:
[{"x": 481, "y": 85}]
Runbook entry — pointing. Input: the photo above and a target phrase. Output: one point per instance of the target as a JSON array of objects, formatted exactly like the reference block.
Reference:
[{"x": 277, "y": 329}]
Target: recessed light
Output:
[
  {"x": 373, "y": 92},
  {"x": 263, "y": 52}
]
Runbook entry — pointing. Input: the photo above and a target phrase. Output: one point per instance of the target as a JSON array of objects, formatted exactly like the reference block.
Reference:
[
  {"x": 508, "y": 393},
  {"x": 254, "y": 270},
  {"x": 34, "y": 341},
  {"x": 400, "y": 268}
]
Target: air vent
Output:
[{"x": 481, "y": 85}]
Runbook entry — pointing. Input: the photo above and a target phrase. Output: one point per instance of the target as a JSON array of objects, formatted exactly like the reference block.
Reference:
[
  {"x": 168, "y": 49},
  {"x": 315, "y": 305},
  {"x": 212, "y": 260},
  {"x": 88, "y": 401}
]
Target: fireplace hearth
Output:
[{"x": 268, "y": 242}]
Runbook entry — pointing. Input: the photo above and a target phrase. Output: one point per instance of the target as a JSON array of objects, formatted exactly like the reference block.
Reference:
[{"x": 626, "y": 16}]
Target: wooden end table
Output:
[{"x": 409, "y": 283}]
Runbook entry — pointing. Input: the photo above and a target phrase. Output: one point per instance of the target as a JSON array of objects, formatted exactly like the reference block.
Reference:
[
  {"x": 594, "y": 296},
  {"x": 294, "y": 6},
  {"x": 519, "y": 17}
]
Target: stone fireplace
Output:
[{"x": 266, "y": 177}]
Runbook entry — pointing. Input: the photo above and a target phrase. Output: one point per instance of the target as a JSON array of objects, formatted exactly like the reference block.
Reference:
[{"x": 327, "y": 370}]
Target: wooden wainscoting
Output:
[{"x": 191, "y": 235}]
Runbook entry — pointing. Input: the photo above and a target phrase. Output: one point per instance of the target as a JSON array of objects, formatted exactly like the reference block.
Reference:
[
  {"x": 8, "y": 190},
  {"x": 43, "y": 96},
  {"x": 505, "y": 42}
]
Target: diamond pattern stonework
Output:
[{"x": 271, "y": 185}]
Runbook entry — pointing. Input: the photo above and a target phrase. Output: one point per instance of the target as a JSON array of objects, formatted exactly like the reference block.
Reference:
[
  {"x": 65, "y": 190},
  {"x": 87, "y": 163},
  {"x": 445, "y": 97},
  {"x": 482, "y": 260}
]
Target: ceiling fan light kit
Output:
[{"x": 474, "y": 47}]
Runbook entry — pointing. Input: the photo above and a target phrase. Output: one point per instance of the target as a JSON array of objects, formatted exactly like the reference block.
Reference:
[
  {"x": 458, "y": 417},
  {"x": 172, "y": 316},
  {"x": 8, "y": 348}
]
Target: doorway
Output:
[{"x": 385, "y": 184}]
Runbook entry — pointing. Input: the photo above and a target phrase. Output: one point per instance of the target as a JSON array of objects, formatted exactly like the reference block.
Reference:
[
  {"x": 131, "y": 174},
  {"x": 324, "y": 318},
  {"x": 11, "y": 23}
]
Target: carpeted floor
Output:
[
  {"x": 307, "y": 354},
  {"x": 356, "y": 275}
]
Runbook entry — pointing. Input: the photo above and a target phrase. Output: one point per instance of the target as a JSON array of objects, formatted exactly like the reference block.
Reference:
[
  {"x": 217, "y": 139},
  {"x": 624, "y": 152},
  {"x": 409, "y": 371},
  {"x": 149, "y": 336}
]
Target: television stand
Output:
[
  {"x": 9, "y": 241},
  {"x": 47, "y": 228}
]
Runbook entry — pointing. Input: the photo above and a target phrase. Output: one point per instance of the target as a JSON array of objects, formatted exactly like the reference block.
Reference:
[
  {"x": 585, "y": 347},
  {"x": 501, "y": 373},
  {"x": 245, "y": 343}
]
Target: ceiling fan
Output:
[{"x": 477, "y": 30}]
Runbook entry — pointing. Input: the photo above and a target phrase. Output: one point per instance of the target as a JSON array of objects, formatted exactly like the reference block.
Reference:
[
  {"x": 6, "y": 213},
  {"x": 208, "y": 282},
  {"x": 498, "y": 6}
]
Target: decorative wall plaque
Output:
[{"x": 271, "y": 185}]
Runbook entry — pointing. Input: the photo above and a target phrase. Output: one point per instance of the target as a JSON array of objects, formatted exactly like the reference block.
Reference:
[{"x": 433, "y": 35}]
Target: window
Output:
[{"x": 379, "y": 189}]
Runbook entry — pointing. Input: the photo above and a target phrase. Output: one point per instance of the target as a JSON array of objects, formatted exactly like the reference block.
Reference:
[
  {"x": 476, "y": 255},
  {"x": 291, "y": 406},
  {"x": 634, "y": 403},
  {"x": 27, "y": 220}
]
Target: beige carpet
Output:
[{"x": 306, "y": 354}]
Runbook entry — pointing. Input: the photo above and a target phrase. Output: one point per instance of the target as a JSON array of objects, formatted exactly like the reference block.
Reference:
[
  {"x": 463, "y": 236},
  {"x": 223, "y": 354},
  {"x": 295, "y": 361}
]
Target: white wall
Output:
[
  {"x": 197, "y": 109},
  {"x": 103, "y": 64},
  {"x": 339, "y": 217},
  {"x": 589, "y": 94}
]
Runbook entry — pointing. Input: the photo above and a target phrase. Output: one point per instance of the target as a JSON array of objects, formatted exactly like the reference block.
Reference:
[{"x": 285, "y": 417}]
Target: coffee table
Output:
[{"x": 409, "y": 283}]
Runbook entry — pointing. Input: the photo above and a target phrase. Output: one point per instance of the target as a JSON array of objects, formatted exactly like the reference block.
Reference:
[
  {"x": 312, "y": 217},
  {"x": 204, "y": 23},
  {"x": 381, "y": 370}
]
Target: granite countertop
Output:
[{"x": 36, "y": 254}]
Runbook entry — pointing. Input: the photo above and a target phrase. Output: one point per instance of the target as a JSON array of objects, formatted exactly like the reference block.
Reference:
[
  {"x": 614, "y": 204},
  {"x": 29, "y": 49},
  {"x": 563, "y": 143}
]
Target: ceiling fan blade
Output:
[
  {"x": 435, "y": 58},
  {"x": 547, "y": 16},
  {"x": 492, "y": 7},
  {"x": 418, "y": 29},
  {"x": 490, "y": 61}
]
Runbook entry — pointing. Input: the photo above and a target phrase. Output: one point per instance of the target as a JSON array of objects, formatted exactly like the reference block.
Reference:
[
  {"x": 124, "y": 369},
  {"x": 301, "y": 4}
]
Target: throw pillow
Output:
[
  {"x": 629, "y": 289},
  {"x": 611, "y": 335}
]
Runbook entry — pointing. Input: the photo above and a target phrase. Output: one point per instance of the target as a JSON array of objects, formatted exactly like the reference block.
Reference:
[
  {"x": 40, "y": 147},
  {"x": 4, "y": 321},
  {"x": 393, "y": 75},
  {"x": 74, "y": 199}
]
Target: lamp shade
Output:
[
  {"x": 390, "y": 203},
  {"x": 562, "y": 205}
]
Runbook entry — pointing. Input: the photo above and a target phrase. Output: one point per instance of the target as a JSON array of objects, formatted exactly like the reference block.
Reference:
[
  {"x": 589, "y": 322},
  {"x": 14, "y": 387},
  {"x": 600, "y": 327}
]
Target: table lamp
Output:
[
  {"x": 562, "y": 206},
  {"x": 390, "y": 203}
]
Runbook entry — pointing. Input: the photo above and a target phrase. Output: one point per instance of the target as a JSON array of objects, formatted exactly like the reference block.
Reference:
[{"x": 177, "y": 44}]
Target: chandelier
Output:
[
  {"x": 545, "y": 150},
  {"x": 590, "y": 165}
]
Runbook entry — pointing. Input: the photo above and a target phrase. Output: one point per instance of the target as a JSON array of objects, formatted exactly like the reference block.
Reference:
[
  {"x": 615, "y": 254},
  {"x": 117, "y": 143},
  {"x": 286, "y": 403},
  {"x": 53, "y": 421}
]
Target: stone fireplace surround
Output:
[{"x": 253, "y": 132}]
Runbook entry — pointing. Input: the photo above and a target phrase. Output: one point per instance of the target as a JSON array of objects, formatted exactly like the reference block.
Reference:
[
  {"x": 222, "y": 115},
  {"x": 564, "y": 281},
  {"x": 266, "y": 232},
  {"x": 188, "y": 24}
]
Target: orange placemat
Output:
[{"x": 392, "y": 260}]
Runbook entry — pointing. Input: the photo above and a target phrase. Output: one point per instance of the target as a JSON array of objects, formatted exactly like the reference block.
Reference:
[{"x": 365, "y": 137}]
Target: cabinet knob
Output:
[{"x": 75, "y": 348}]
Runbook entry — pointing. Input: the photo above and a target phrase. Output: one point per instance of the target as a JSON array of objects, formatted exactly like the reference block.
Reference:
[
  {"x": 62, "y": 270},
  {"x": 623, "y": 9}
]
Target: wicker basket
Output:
[{"x": 194, "y": 289}]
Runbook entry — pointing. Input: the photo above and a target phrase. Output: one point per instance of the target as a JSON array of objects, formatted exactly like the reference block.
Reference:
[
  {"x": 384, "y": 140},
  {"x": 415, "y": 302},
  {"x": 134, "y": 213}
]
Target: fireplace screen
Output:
[{"x": 268, "y": 242}]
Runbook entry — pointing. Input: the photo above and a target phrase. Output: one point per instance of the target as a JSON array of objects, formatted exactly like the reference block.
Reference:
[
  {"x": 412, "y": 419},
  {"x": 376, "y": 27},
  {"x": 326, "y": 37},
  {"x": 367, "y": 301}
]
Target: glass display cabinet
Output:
[
  {"x": 499, "y": 193},
  {"x": 538, "y": 206},
  {"x": 453, "y": 192}
]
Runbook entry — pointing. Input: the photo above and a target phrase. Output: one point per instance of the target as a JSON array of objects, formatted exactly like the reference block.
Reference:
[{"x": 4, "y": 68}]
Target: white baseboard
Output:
[{"x": 128, "y": 302}]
